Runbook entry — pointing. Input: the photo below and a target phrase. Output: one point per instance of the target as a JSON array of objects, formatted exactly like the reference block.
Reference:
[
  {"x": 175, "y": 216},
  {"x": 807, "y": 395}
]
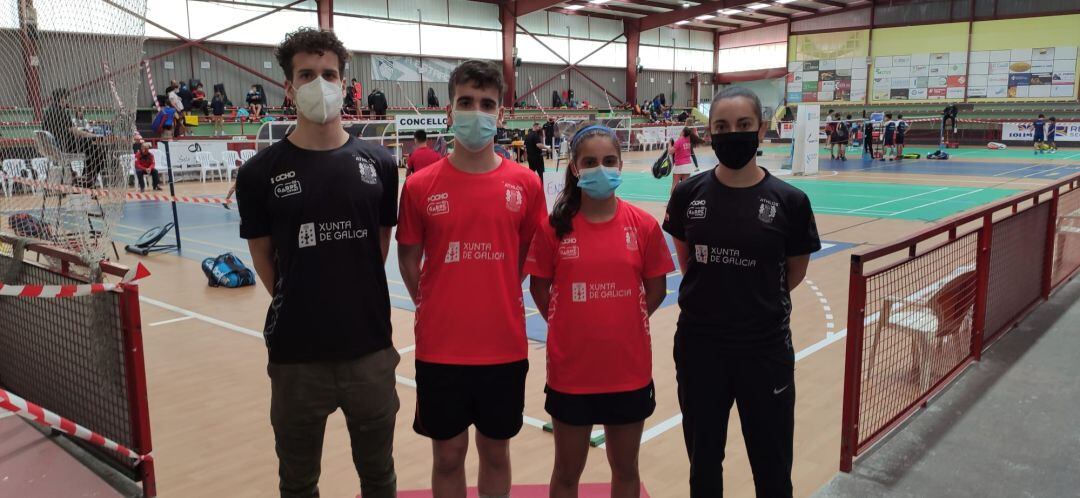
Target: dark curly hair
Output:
[
  {"x": 481, "y": 74},
  {"x": 311, "y": 41}
]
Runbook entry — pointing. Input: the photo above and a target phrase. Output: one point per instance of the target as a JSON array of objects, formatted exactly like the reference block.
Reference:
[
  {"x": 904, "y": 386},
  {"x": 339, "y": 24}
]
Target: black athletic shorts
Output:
[
  {"x": 889, "y": 139},
  {"x": 601, "y": 409},
  {"x": 899, "y": 139},
  {"x": 450, "y": 398}
]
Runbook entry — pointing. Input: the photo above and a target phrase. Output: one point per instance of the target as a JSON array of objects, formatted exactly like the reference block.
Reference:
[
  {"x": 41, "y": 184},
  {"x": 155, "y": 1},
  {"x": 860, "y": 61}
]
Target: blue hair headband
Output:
[{"x": 581, "y": 133}]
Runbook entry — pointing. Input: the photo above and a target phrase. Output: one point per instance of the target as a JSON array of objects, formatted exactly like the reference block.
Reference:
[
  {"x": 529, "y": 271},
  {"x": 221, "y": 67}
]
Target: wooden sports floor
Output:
[{"x": 206, "y": 362}]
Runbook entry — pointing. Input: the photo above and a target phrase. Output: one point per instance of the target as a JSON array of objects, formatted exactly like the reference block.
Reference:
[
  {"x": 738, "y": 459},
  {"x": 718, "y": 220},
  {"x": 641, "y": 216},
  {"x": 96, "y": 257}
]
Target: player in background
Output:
[
  {"x": 889, "y": 139},
  {"x": 1051, "y": 135},
  {"x": 1039, "y": 136},
  {"x": 901, "y": 130}
]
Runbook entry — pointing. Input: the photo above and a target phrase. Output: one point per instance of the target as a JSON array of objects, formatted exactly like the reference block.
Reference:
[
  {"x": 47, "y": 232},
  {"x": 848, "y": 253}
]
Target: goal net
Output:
[{"x": 69, "y": 76}]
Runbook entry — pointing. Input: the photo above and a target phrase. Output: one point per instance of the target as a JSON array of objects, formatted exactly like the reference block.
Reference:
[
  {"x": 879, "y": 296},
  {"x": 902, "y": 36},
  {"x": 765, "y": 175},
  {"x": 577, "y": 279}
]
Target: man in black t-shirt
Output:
[
  {"x": 70, "y": 138},
  {"x": 551, "y": 129},
  {"x": 534, "y": 147},
  {"x": 317, "y": 209},
  {"x": 743, "y": 239}
]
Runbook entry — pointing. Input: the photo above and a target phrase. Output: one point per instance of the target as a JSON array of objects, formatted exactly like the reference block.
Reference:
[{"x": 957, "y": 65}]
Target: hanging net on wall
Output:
[{"x": 69, "y": 77}]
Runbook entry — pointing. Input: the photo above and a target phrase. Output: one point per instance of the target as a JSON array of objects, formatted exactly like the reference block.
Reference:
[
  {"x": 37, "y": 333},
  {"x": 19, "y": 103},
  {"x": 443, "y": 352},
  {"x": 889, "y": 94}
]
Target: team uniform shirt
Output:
[
  {"x": 472, "y": 228},
  {"x": 422, "y": 157},
  {"x": 322, "y": 211},
  {"x": 682, "y": 151},
  {"x": 901, "y": 129},
  {"x": 890, "y": 132},
  {"x": 598, "y": 322},
  {"x": 735, "y": 288},
  {"x": 1039, "y": 128},
  {"x": 1051, "y": 130}
]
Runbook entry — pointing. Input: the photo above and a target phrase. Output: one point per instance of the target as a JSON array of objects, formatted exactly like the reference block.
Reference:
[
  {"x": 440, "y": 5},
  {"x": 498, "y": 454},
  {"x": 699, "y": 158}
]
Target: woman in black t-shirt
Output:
[{"x": 744, "y": 240}]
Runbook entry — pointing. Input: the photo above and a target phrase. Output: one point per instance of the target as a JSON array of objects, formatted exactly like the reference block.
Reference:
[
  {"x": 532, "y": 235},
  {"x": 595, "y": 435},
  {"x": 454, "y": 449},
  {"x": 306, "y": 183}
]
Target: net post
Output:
[
  {"x": 849, "y": 425},
  {"x": 172, "y": 192},
  {"x": 982, "y": 285},
  {"x": 138, "y": 404},
  {"x": 1048, "y": 255}
]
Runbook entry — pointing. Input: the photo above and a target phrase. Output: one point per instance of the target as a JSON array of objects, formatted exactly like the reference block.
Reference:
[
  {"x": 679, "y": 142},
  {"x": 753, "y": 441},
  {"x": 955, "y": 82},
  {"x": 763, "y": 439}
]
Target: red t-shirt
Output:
[
  {"x": 145, "y": 161},
  {"x": 598, "y": 323},
  {"x": 422, "y": 157},
  {"x": 473, "y": 228}
]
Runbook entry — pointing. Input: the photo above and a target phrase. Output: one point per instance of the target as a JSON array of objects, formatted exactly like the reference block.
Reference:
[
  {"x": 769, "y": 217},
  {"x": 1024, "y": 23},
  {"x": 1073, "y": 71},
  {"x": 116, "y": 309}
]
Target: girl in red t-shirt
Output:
[{"x": 598, "y": 270}]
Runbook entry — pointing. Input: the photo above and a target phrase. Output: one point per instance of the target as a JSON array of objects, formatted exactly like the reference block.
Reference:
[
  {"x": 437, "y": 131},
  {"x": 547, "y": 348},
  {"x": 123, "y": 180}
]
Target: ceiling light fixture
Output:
[
  {"x": 682, "y": 22},
  {"x": 729, "y": 12},
  {"x": 575, "y": 7},
  {"x": 756, "y": 6},
  {"x": 704, "y": 17}
]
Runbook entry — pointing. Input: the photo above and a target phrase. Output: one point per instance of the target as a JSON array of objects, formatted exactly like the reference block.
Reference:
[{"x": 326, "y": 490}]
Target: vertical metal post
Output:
[
  {"x": 1048, "y": 254},
  {"x": 982, "y": 285},
  {"x": 172, "y": 192},
  {"x": 135, "y": 375},
  {"x": 849, "y": 423}
]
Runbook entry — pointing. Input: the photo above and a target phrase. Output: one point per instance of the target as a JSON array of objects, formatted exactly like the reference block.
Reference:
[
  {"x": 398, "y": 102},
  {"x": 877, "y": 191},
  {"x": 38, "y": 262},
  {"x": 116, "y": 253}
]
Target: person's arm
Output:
[
  {"x": 540, "y": 288},
  {"x": 384, "y": 241},
  {"x": 262, "y": 256},
  {"x": 655, "y": 292},
  {"x": 535, "y": 214},
  {"x": 409, "y": 257},
  {"x": 796, "y": 270},
  {"x": 682, "y": 252}
]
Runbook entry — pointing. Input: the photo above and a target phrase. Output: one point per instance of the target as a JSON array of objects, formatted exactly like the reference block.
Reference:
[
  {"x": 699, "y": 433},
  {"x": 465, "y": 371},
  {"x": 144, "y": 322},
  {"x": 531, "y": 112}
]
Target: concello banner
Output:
[
  {"x": 400, "y": 68},
  {"x": 1066, "y": 132}
]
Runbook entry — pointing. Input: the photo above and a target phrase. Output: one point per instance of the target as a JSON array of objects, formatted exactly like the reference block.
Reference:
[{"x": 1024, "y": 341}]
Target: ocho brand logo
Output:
[
  {"x": 438, "y": 204},
  {"x": 282, "y": 177}
]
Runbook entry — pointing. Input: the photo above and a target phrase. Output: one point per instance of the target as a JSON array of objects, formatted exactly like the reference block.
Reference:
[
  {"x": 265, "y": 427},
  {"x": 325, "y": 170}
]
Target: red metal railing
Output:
[{"x": 923, "y": 308}]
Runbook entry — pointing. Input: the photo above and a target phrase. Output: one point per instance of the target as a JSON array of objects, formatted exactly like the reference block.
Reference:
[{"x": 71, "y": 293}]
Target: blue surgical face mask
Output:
[
  {"x": 599, "y": 182},
  {"x": 474, "y": 130}
]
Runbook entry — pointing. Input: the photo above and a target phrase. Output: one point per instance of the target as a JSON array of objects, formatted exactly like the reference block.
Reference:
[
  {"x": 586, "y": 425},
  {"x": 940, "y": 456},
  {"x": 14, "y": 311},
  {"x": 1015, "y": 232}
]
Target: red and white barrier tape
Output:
[
  {"x": 74, "y": 290},
  {"x": 34, "y": 413},
  {"x": 115, "y": 194}
]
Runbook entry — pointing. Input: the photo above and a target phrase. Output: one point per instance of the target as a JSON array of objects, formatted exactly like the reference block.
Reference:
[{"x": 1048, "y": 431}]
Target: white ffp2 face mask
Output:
[{"x": 319, "y": 100}]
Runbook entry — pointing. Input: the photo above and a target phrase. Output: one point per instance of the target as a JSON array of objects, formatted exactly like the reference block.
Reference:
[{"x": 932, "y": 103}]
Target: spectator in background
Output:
[
  {"x": 144, "y": 165},
  {"x": 1051, "y": 132},
  {"x": 534, "y": 147},
  {"x": 186, "y": 97},
  {"x": 164, "y": 123},
  {"x": 551, "y": 131},
  {"x": 683, "y": 116},
  {"x": 174, "y": 98},
  {"x": 58, "y": 121},
  {"x": 199, "y": 100},
  {"x": 254, "y": 102},
  {"x": 667, "y": 114},
  {"x": 422, "y": 156},
  {"x": 217, "y": 106},
  {"x": 350, "y": 100}
]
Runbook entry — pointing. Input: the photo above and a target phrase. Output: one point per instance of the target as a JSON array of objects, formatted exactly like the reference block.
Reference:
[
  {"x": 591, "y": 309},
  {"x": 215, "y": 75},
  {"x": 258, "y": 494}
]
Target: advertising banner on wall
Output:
[
  {"x": 400, "y": 68},
  {"x": 413, "y": 122},
  {"x": 1066, "y": 132}
]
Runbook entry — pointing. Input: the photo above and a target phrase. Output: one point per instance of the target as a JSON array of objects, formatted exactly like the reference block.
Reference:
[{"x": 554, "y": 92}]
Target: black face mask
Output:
[{"x": 735, "y": 149}]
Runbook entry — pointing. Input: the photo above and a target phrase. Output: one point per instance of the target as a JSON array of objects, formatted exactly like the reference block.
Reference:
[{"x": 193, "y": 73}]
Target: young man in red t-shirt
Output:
[
  {"x": 422, "y": 156},
  {"x": 598, "y": 270},
  {"x": 470, "y": 218}
]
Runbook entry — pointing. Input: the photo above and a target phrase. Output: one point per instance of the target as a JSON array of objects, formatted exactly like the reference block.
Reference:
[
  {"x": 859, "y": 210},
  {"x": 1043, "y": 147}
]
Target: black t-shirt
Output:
[
  {"x": 532, "y": 150},
  {"x": 735, "y": 288},
  {"x": 549, "y": 131},
  {"x": 322, "y": 211},
  {"x": 218, "y": 106},
  {"x": 57, "y": 121}
]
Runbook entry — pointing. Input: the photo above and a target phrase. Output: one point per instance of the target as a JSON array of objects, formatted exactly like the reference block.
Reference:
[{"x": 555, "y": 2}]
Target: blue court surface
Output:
[
  {"x": 209, "y": 230},
  {"x": 1034, "y": 169}
]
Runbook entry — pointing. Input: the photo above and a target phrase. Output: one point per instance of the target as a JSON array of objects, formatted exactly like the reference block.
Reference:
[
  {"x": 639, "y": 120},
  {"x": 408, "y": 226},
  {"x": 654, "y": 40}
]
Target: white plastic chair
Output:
[
  {"x": 246, "y": 154},
  {"x": 127, "y": 162},
  {"x": 40, "y": 166},
  {"x": 229, "y": 158},
  {"x": 207, "y": 164},
  {"x": 13, "y": 168}
]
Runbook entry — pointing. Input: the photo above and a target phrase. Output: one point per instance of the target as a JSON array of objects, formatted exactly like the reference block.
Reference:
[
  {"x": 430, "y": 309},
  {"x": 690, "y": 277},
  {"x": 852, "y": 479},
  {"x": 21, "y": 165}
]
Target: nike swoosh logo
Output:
[{"x": 782, "y": 389}]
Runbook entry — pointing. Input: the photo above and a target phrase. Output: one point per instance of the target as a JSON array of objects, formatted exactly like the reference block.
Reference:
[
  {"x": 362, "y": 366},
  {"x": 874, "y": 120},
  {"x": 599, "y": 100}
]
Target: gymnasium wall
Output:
[{"x": 946, "y": 44}]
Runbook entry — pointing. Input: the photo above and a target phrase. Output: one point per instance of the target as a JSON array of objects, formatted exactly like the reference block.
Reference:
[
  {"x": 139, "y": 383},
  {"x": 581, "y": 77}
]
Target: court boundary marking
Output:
[{"x": 648, "y": 434}]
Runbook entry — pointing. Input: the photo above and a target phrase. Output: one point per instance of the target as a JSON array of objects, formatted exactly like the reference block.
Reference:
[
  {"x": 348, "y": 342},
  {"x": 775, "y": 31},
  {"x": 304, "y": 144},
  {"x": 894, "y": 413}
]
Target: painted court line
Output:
[
  {"x": 898, "y": 200},
  {"x": 1021, "y": 169},
  {"x": 938, "y": 202},
  {"x": 174, "y": 320}
]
